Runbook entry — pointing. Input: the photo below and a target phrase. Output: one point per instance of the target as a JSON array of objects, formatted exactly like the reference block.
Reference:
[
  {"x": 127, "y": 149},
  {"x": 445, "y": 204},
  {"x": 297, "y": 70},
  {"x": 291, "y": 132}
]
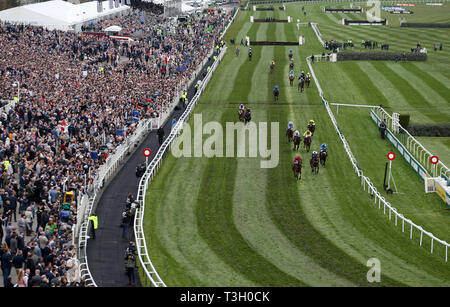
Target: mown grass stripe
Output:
[
  {"x": 431, "y": 81},
  {"x": 413, "y": 96}
]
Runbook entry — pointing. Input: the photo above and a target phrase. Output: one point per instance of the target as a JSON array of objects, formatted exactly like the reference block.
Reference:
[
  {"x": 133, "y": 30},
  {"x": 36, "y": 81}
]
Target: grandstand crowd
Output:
[{"x": 80, "y": 96}]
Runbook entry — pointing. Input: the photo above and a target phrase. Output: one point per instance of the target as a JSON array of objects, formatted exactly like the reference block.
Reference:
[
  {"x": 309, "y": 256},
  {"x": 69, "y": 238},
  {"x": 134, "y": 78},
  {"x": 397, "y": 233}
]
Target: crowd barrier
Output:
[
  {"x": 368, "y": 186},
  {"x": 150, "y": 273}
]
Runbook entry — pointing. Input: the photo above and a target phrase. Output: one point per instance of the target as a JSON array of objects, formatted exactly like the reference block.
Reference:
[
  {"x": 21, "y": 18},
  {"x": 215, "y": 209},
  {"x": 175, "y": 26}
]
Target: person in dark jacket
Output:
[
  {"x": 130, "y": 265},
  {"x": 382, "y": 129},
  {"x": 6, "y": 265},
  {"x": 160, "y": 135},
  {"x": 18, "y": 261}
]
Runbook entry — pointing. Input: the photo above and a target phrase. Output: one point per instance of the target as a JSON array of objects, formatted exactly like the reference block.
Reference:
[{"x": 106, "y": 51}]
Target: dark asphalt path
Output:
[{"x": 106, "y": 253}]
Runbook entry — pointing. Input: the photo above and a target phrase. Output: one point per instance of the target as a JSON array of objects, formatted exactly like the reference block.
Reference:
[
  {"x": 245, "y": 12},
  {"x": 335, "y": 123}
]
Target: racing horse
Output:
[
  {"x": 315, "y": 164},
  {"x": 308, "y": 80},
  {"x": 272, "y": 66},
  {"x": 291, "y": 80},
  {"x": 323, "y": 158},
  {"x": 297, "y": 139},
  {"x": 290, "y": 134},
  {"x": 301, "y": 84},
  {"x": 291, "y": 65},
  {"x": 307, "y": 142},
  {"x": 297, "y": 168},
  {"x": 276, "y": 93},
  {"x": 241, "y": 114},
  {"x": 248, "y": 116}
]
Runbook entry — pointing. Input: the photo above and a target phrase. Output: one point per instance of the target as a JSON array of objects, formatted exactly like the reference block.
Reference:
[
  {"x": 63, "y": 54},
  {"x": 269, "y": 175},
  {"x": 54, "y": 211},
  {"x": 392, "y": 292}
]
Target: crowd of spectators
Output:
[
  {"x": 80, "y": 96},
  {"x": 147, "y": 6}
]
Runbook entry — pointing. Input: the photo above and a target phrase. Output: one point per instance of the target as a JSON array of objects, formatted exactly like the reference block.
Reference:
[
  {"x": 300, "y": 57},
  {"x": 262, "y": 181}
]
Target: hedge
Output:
[
  {"x": 270, "y": 20},
  {"x": 381, "y": 56},
  {"x": 364, "y": 22},
  {"x": 404, "y": 119},
  {"x": 439, "y": 129},
  {"x": 343, "y": 10},
  {"x": 424, "y": 25},
  {"x": 265, "y": 43}
]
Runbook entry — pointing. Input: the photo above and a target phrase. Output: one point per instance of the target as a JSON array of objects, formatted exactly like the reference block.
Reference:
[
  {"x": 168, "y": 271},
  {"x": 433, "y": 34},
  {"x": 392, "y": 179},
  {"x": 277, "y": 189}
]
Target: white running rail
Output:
[
  {"x": 141, "y": 244},
  {"x": 370, "y": 187}
]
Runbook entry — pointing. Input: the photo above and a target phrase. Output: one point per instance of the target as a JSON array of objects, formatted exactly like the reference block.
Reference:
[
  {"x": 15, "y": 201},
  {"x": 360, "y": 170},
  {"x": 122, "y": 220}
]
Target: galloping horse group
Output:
[{"x": 317, "y": 159}]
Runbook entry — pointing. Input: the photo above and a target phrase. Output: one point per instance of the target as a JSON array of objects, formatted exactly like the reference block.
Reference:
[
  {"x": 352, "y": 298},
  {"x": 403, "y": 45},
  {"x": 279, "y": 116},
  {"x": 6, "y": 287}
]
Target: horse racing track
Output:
[{"x": 227, "y": 221}]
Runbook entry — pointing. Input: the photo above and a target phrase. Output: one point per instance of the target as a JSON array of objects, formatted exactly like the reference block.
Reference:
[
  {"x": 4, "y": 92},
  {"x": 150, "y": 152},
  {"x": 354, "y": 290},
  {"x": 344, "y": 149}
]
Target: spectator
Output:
[
  {"x": 130, "y": 265},
  {"x": 382, "y": 129},
  {"x": 6, "y": 264},
  {"x": 22, "y": 279},
  {"x": 18, "y": 261},
  {"x": 125, "y": 222},
  {"x": 160, "y": 135},
  {"x": 36, "y": 279}
]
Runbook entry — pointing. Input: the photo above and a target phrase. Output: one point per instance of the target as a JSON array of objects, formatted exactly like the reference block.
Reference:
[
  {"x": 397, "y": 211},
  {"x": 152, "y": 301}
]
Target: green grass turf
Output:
[{"x": 228, "y": 222}]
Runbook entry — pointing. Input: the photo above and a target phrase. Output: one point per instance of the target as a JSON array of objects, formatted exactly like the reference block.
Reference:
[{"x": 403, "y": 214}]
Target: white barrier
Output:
[
  {"x": 367, "y": 184},
  {"x": 317, "y": 32},
  {"x": 141, "y": 244}
]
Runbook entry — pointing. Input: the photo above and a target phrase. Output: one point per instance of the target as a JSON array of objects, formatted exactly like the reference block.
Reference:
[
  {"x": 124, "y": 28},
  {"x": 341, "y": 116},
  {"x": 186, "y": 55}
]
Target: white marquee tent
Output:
[{"x": 61, "y": 15}]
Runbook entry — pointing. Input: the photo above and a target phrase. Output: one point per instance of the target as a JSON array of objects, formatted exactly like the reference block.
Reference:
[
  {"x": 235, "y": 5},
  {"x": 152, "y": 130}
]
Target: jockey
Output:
[
  {"x": 290, "y": 125},
  {"x": 297, "y": 133},
  {"x": 290, "y": 51},
  {"x": 241, "y": 107},
  {"x": 314, "y": 153},
  {"x": 276, "y": 88},
  {"x": 311, "y": 123},
  {"x": 308, "y": 76},
  {"x": 307, "y": 133},
  {"x": 297, "y": 160},
  {"x": 323, "y": 147},
  {"x": 291, "y": 73},
  {"x": 273, "y": 62},
  {"x": 302, "y": 74}
]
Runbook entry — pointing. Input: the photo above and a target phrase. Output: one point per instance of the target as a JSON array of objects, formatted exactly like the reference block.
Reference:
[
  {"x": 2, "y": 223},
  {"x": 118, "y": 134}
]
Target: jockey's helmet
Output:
[
  {"x": 298, "y": 158},
  {"x": 314, "y": 153},
  {"x": 311, "y": 121}
]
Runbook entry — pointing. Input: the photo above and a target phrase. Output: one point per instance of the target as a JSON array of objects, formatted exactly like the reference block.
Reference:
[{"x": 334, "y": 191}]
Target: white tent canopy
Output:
[
  {"x": 59, "y": 14},
  {"x": 113, "y": 29}
]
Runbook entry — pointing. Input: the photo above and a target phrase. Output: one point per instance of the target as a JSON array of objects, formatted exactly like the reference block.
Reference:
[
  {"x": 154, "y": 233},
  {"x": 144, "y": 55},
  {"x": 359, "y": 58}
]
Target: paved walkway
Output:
[{"x": 106, "y": 254}]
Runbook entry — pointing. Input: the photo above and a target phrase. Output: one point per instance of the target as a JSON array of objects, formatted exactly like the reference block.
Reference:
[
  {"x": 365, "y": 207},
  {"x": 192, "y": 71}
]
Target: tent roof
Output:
[
  {"x": 113, "y": 29},
  {"x": 57, "y": 14}
]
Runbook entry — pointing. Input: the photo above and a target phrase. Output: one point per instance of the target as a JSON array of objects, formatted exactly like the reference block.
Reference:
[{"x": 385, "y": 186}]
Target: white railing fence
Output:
[
  {"x": 370, "y": 187},
  {"x": 87, "y": 201},
  {"x": 150, "y": 272},
  {"x": 141, "y": 245},
  {"x": 415, "y": 147}
]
